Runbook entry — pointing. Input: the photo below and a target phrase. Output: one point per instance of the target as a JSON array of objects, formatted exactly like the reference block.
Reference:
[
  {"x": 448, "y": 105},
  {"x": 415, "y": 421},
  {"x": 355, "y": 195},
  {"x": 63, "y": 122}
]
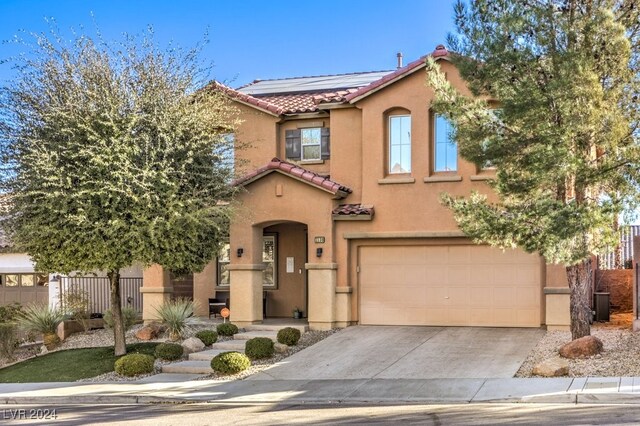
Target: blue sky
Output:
[{"x": 253, "y": 39}]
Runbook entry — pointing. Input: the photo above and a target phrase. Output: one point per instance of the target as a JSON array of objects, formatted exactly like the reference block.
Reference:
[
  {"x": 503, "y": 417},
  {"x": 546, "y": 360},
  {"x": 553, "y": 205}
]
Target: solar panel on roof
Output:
[{"x": 308, "y": 84}]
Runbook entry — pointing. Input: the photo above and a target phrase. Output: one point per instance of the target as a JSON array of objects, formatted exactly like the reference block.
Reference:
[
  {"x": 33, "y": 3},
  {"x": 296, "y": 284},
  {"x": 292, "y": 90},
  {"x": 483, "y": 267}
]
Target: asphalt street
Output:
[{"x": 295, "y": 414}]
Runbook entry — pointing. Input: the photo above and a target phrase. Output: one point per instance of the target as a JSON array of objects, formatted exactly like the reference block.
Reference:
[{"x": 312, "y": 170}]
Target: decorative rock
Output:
[
  {"x": 192, "y": 344},
  {"x": 581, "y": 348},
  {"x": 149, "y": 332},
  {"x": 43, "y": 350},
  {"x": 552, "y": 367},
  {"x": 280, "y": 348}
]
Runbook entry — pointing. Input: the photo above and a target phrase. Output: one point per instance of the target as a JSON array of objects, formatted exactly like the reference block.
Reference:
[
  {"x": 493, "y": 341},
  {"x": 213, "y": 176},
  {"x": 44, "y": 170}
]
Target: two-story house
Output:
[{"x": 340, "y": 214}]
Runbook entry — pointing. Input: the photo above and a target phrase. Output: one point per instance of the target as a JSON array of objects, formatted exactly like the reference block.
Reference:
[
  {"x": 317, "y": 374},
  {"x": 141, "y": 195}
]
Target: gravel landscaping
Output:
[
  {"x": 620, "y": 357},
  {"x": 104, "y": 337}
]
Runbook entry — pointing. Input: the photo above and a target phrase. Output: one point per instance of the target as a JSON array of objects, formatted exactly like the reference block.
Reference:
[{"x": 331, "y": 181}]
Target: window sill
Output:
[
  {"x": 395, "y": 180},
  {"x": 482, "y": 177},
  {"x": 442, "y": 178},
  {"x": 311, "y": 162}
]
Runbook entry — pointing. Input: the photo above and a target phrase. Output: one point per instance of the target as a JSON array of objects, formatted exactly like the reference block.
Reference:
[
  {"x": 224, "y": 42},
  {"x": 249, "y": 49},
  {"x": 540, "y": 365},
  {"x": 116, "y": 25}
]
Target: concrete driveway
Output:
[{"x": 396, "y": 352}]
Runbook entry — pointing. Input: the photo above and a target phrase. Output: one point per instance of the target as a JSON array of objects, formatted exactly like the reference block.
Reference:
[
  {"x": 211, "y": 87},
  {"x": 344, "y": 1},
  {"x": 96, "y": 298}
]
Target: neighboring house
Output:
[{"x": 341, "y": 215}]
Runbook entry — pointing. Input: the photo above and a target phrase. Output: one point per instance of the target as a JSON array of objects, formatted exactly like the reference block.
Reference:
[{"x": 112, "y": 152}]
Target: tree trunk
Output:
[
  {"x": 579, "y": 278},
  {"x": 116, "y": 312}
]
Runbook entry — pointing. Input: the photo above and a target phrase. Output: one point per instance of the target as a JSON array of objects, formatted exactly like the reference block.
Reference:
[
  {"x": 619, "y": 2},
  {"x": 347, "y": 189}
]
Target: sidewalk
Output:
[{"x": 619, "y": 390}]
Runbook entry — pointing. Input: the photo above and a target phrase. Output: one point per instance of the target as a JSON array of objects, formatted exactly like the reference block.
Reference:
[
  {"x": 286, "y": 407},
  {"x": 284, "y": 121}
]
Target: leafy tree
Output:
[
  {"x": 114, "y": 158},
  {"x": 563, "y": 133}
]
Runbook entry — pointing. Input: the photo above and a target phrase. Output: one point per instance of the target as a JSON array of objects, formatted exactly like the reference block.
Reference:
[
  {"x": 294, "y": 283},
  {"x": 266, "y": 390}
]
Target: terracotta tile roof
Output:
[
  {"x": 304, "y": 94},
  {"x": 353, "y": 210},
  {"x": 259, "y": 103},
  {"x": 296, "y": 172},
  {"x": 439, "y": 52}
]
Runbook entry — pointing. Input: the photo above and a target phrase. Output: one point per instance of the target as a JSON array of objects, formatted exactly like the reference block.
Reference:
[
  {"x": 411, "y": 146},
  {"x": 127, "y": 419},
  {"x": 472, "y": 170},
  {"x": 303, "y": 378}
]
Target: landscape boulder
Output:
[
  {"x": 582, "y": 348},
  {"x": 552, "y": 367},
  {"x": 149, "y": 332},
  {"x": 280, "y": 348},
  {"x": 192, "y": 344}
]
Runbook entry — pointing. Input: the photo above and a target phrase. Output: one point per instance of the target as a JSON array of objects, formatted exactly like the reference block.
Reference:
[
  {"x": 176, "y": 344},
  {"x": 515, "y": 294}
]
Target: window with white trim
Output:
[
  {"x": 445, "y": 150},
  {"x": 311, "y": 139},
  {"x": 399, "y": 144}
]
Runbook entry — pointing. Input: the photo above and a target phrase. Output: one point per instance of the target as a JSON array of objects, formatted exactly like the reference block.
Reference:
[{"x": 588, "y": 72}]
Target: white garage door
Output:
[{"x": 463, "y": 285}]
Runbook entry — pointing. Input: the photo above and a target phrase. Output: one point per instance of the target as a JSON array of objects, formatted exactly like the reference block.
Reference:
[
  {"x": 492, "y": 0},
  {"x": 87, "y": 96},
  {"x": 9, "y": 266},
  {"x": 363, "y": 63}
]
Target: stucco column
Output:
[
  {"x": 322, "y": 279},
  {"x": 556, "y": 294},
  {"x": 204, "y": 284},
  {"x": 156, "y": 289},
  {"x": 246, "y": 293},
  {"x": 245, "y": 275}
]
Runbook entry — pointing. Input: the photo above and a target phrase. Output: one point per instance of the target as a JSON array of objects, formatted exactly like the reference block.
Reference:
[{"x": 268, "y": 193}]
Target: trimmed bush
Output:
[
  {"x": 230, "y": 362},
  {"x": 208, "y": 337},
  {"x": 169, "y": 351},
  {"x": 134, "y": 364},
  {"x": 289, "y": 336},
  {"x": 8, "y": 339},
  {"x": 129, "y": 317},
  {"x": 259, "y": 347},
  {"x": 227, "y": 329},
  {"x": 11, "y": 312}
]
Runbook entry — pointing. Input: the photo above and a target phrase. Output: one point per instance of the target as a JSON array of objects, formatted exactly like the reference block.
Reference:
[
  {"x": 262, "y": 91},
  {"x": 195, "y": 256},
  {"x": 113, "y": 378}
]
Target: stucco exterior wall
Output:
[{"x": 619, "y": 283}]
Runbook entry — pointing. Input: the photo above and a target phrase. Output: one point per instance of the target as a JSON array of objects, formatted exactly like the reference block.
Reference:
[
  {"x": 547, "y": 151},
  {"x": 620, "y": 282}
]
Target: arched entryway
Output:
[{"x": 285, "y": 275}]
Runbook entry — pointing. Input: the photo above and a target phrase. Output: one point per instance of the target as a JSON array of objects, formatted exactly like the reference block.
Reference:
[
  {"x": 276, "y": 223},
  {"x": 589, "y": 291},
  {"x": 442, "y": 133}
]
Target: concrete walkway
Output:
[{"x": 624, "y": 390}]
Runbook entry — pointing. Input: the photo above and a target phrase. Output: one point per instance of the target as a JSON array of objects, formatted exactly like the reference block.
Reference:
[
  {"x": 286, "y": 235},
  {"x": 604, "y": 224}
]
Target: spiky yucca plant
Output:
[
  {"x": 176, "y": 315},
  {"x": 40, "y": 318}
]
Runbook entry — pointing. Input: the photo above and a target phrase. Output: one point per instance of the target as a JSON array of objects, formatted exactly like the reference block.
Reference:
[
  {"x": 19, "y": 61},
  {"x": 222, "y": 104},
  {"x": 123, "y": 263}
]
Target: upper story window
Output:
[
  {"x": 310, "y": 144},
  {"x": 399, "y": 144},
  {"x": 445, "y": 148}
]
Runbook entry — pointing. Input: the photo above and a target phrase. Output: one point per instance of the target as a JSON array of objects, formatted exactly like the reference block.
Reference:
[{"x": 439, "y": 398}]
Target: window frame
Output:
[
  {"x": 221, "y": 262},
  {"x": 390, "y": 145},
  {"x": 435, "y": 143},
  {"x": 318, "y": 144},
  {"x": 19, "y": 281}
]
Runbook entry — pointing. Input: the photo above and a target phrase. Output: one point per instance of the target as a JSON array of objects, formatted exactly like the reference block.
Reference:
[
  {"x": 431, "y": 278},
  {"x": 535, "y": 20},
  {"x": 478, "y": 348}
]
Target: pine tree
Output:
[
  {"x": 112, "y": 158},
  {"x": 555, "y": 110}
]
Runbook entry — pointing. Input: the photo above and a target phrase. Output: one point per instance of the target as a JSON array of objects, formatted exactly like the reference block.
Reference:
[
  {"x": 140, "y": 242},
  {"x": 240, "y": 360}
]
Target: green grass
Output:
[{"x": 69, "y": 365}]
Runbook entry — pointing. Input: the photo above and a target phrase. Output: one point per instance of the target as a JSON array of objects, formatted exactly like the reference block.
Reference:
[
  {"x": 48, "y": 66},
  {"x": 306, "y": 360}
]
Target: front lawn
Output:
[{"x": 69, "y": 365}]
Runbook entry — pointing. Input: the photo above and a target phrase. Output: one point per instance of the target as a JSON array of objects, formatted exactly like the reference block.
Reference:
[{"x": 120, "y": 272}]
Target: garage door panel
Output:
[
  {"x": 459, "y": 254},
  {"x": 436, "y": 255},
  {"x": 505, "y": 275},
  {"x": 449, "y": 285},
  {"x": 528, "y": 274},
  {"x": 504, "y": 296},
  {"x": 460, "y": 275},
  {"x": 481, "y": 297}
]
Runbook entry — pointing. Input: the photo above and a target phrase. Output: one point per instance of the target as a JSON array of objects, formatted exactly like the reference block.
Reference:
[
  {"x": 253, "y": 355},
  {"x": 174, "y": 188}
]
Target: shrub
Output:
[
  {"x": 288, "y": 336},
  {"x": 134, "y": 364},
  {"x": 230, "y": 362},
  {"x": 40, "y": 318},
  {"x": 259, "y": 347},
  {"x": 129, "y": 317},
  {"x": 227, "y": 329},
  {"x": 176, "y": 315},
  {"x": 75, "y": 303},
  {"x": 8, "y": 339},
  {"x": 10, "y": 313},
  {"x": 208, "y": 337},
  {"x": 169, "y": 351}
]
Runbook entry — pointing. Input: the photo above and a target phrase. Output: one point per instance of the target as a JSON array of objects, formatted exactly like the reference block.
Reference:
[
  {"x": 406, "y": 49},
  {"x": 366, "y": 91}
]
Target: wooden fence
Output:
[
  {"x": 622, "y": 256},
  {"x": 98, "y": 292}
]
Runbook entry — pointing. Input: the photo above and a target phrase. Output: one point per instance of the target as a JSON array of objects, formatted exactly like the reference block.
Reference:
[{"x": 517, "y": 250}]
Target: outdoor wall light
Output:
[
  {"x": 319, "y": 252},
  {"x": 240, "y": 251}
]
